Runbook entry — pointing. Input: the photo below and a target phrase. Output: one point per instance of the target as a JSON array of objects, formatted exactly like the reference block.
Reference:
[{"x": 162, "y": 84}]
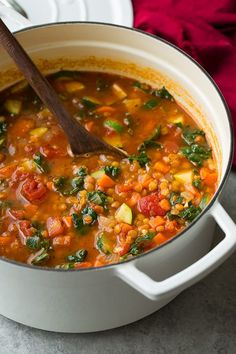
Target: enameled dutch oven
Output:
[{"x": 96, "y": 299}]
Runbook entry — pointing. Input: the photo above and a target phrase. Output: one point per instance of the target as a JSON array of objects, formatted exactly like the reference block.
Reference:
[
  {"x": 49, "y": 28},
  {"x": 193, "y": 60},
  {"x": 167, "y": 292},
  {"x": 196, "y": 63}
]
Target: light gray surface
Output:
[{"x": 202, "y": 320}]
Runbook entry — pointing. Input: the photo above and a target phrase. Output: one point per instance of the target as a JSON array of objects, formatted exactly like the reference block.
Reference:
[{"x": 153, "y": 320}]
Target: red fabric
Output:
[{"x": 204, "y": 29}]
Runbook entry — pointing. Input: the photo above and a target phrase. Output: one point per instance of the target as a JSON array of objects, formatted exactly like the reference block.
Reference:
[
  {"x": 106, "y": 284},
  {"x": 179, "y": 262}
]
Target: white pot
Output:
[{"x": 111, "y": 296}]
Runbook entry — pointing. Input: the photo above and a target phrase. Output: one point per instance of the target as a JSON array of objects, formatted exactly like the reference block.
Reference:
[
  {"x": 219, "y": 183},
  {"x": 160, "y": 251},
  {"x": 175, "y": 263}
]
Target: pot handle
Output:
[
  {"x": 13, "y": 19},
  {"x": 178, "y": 282}
]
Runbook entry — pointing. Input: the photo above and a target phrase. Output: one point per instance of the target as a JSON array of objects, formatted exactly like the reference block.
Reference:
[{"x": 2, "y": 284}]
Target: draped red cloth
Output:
[{"x": 204, "y": 29}]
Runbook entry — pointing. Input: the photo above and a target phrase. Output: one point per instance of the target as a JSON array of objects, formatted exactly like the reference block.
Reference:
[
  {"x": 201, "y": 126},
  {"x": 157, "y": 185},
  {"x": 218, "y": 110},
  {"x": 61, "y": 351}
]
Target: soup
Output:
[{"x": 76, "y": 212}]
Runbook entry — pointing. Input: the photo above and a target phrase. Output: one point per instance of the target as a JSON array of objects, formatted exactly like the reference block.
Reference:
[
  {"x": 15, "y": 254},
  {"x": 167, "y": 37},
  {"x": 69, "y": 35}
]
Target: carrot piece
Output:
[
  {"x": 54, "y": 226},
  {"x": 106, "y": 182},
  {"x": 6, "y": 171},
  {"x": 62, "y": 241},
  {"x": 165, "y": 204},
  {"x": 106, "y": 110},
  {"x": 5, "y": 240},
  {"x": 210, "y": 179},
  {"x": 79, "y": 265},
  {"x": 204, "y": 172},
  {"x": 67, "y": 220},
  {"x": 161, "y": 167},
  {"x": 157, "y": 221},
  {"x": 134, "y": 199},
  {"x": 159, "y": 239}
]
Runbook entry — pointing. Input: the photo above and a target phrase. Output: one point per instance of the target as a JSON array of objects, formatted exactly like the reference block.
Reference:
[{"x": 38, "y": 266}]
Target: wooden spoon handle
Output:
[{"x": 80, "y": 139}]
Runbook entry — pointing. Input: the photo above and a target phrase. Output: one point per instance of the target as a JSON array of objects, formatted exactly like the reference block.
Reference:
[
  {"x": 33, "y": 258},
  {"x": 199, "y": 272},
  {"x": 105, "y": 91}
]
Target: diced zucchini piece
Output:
[
  {"x": 132, "y": 104},
  {"x": 184, "y": 177},
  {"x": 13, "y": 106},
  {"x": 114, "y": 140},
  {"x": 114, "y": 125},
  {"x": 177, "y": 119},
  {"x": 38, "y": 132},
  {"x": 98, "y": 174},
  {"x": 118, "y": 91},
  {"x": 44, "y": 113},
  {"x": 104, "y": 244},
  {"x": 89, "y": 100},
  {"x": 2, "y": 141},
  {"x": 204, "y": 201},
  {"x": 124, "y": 214},
  {"x": 73, "y": 86},
  {"x": 19, "y": 87}
]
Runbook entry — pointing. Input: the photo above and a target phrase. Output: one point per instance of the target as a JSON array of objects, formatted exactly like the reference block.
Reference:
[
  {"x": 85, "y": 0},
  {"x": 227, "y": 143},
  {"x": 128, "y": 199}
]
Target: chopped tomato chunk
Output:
[
  {"x": 33, "y": 190},
  {"x": 54, "y": 226},
  {"x": 150, "y": 205},
  {"x": 26, "y": 228}
]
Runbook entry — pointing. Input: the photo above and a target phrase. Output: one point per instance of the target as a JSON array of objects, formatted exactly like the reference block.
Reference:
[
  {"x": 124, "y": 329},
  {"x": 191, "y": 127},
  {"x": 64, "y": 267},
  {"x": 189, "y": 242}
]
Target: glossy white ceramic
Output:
[{"x": 111, "y": 296}]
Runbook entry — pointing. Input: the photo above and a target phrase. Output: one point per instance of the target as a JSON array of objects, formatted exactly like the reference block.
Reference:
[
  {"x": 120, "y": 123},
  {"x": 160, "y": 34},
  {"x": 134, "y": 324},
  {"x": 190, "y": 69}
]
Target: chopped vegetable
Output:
[
  {"x": 97, "y": 197},
  {"x": 33, "y": 242},
  {"x": 175, "y": 198},
  {"x": 40, "y": 163},
  {"x": 150, "y": 205},
  {"x": 132, "y": 104},
  {"x": 73, "y": 86},
  {"x": 89, "y": 212},
  {"x": 190, "y": 213},
  {"x": 137, "y": 246},
  {"x": 105, "y": 181},
  {"x": 151, "y": 143},
  {"x": 90, "y": 102},
  {"x": 162, "y": 93},
  {"x": 196, "y": 153},
  {"x": 204, "y": 201},
  {"x": 103, "y": 243},
  {"x": 189, "y": 135},
  {"x": 142, "y": 158},
  {"x": 43, "y": 256},
  {"x": 13, "y": 106},
  {"x": 151, "y": 104},
  {"x": 120, "y": 93},
  {"x": 112, "y": 171},
  {"x": 98, "y": 174},
  {"x": 124, "y": 214},
  {"x": 142, "y": 86},
  {"x": 3, "y": 125},
  {"x": 114, "y": 125},
  {"x": 38, "y": 132},
  {"x": 197, "y": 183},
  {"x": 184, "y": 177},
  {"x": 82, "y": 171},
  {"x": 79, "y": 256}
]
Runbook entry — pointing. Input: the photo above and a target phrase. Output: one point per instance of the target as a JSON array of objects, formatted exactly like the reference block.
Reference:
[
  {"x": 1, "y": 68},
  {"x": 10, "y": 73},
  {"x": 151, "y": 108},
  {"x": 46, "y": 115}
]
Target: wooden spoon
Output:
[{"x": 81, "y": 141}]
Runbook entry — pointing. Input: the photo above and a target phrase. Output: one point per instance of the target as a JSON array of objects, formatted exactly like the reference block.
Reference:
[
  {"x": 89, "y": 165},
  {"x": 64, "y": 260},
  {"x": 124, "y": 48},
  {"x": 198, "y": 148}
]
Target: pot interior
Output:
[{"x": 99, "y": 47}]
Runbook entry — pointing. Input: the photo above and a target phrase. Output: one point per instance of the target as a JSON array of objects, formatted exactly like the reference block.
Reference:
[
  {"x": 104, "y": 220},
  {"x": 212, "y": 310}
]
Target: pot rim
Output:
[{"x": 220, "y": 187}]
